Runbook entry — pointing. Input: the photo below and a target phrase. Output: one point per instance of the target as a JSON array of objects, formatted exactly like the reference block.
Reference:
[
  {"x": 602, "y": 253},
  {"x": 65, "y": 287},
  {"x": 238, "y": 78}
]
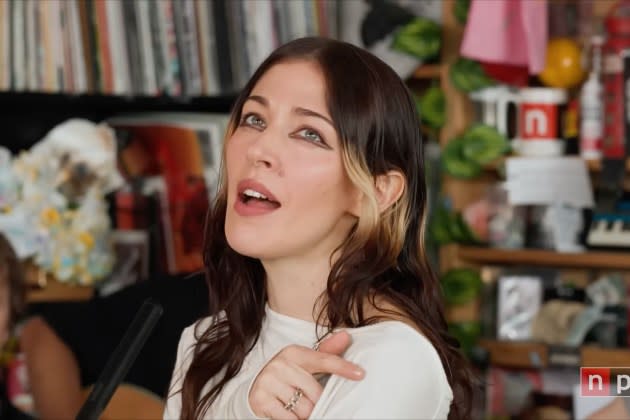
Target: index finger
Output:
[{"x": 317, "y": 362}]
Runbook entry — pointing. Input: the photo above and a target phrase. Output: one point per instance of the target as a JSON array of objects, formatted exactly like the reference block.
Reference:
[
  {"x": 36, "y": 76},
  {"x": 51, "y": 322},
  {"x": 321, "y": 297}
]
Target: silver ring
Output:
[{"x": 294, "y": 399}]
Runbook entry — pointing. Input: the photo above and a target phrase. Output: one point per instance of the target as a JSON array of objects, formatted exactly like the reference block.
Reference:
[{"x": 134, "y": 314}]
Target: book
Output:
[
  {"x": 183, "y": 149},
  {"x": 222, "y": 37}
]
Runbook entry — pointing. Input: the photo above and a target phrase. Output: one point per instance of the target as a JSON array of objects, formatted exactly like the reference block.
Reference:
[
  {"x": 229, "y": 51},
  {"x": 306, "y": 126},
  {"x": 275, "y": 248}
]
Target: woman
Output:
[{"x": 318, "y": 227}]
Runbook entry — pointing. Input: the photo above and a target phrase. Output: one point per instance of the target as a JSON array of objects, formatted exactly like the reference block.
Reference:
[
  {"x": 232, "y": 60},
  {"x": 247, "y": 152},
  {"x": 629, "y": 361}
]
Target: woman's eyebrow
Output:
[
  {"x": 298, "y": 110},
  {"x": 260, "y": 99},
  {"x": 310, "y": 113}
]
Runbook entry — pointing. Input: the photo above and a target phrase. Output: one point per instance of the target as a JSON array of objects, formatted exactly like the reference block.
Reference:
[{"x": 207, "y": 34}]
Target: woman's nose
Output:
[{"x": 263, "y": 150}]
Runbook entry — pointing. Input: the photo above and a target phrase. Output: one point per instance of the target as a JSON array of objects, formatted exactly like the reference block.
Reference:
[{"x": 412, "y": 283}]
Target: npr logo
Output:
[{"x": 599, "y": 382}]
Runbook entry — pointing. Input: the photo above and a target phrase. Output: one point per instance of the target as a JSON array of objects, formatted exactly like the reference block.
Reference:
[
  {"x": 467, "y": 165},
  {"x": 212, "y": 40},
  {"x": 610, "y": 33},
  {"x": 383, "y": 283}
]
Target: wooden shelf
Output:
[
  {"x": 591, "y": 259},
  {"x": 118, "y": 103},
  {"x": 56, "y": 292},
  {"x": 596, "y": 165},
  {"x": 428, "y": 71},
  {"x": 516, "y": 354},
  {"x": 44, "y": 288},
  {"x": 539, "y": 355},
  {"x": 592, "y": 165}
]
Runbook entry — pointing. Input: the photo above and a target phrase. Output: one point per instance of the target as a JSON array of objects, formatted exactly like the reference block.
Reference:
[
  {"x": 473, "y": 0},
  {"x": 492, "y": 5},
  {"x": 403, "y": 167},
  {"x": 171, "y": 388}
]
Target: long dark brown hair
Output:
[
  {"x": 383, "y": 257},
  {"x": 12, "y": 277}
]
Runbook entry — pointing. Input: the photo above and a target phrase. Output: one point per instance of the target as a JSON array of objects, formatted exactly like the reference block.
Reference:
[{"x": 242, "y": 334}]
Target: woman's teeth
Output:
[{"x": 249, "y": 193}]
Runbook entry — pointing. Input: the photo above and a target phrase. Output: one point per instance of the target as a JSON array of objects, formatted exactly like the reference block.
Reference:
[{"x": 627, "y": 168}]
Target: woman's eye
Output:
[
  {"x": 311, "y": 135},
  {"x": 253, "y": 120}
]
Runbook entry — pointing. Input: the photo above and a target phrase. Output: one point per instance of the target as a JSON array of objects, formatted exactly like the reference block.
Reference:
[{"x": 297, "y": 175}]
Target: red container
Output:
[{"x": 617, "y": 44}]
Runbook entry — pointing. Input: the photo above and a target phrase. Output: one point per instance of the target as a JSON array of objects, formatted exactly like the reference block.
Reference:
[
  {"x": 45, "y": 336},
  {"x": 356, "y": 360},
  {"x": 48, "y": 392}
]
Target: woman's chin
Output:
[{"x": 248, "y": 245}]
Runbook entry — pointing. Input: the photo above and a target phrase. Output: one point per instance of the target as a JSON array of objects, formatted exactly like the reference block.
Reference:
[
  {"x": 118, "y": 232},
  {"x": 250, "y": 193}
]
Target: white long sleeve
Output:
[
  {"x": 182, "y": 362},
  {"x": 404, "y": 375},
  {"x": 404, "y": 378},
  {"x": 232, "y": 404}
]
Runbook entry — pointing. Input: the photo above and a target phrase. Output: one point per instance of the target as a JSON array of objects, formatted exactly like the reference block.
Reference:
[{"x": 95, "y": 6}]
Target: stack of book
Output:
[{"x": 148, "y": 47}]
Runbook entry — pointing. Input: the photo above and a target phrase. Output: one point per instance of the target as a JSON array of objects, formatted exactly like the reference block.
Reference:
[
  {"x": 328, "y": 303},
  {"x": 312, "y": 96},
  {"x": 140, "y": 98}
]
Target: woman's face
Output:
[{"x": 288, "y": 193}]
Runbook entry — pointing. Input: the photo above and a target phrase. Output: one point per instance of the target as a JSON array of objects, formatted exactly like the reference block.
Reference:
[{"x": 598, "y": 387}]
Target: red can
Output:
[{"x": 616, "y": 47}]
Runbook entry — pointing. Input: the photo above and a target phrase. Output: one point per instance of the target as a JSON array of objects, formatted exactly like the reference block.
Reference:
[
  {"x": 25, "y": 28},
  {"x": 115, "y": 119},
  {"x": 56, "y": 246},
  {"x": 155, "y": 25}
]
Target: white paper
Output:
[{"x": 545, "y": 181}]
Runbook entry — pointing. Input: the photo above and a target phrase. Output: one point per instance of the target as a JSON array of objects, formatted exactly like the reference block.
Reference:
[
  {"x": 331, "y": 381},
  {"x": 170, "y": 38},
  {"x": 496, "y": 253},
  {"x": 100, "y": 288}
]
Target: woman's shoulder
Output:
[
  {"x": 393, "y": 347},
  {"x": 393, "y": 332},
  {"x": 392, "y": 335},
  {"x": 404, "y": 376}
]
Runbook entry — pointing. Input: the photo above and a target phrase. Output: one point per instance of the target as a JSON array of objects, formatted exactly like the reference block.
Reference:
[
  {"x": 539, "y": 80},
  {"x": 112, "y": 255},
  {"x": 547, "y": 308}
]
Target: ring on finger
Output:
[{"x": 290, "y": 405}]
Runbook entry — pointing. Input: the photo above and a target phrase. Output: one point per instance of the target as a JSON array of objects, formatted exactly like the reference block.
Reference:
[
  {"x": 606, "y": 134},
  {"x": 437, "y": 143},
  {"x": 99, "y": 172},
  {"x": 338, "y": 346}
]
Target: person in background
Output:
[
  {"x": 322, "y": 301},
  {"x": 67, "y": 345},
  {"x": 15, "y": 400}
]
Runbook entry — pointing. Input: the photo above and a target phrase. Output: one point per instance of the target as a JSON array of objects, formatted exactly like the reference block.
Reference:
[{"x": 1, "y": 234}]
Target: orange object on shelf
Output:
[{"x": 563, "y": 64}]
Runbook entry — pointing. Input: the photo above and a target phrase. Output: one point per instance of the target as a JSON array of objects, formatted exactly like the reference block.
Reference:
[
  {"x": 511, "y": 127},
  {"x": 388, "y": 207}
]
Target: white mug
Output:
[{"x": 538, "y": 127}]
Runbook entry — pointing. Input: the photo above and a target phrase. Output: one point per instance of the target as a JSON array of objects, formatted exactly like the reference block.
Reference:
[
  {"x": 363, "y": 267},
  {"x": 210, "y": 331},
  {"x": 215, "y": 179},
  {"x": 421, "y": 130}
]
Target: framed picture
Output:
[{"x": 132, "y": 260}]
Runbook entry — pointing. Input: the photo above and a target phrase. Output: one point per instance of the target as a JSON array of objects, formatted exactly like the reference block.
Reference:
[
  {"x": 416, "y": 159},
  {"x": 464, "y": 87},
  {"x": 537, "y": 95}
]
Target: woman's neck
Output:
[{"x": 293, "y": 287}]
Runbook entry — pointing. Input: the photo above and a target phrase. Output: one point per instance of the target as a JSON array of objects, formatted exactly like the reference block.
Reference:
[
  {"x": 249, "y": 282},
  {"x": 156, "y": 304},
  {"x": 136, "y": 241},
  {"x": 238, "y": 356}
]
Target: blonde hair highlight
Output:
[{"x": 388, "y": 228}]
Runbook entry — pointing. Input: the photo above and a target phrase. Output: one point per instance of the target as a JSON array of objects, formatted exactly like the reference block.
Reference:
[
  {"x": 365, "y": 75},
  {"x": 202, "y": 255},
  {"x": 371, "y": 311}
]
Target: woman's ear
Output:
[{"x": 389, "y": 188}]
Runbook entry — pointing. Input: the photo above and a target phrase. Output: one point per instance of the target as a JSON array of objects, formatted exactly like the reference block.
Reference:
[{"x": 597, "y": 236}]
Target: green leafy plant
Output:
[
  {"x": 483, "y": 144},
  {"x": 464, "y": 156},
  {"x": 461, "y": 285},
  {"x": 468, "y": 75},
  {"x": 467, "y": 333},
  {"x": 432, "y": 107},
  {"x": 448, "y": 226},
  {"x": 421, "y": 38},
  {"x": 461, "y": 11},
  {"x": 455, "y": 162}
]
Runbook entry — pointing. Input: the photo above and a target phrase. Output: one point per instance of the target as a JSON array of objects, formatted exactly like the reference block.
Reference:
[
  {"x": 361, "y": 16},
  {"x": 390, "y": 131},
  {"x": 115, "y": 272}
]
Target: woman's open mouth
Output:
[{"x": 254, "y": 199}]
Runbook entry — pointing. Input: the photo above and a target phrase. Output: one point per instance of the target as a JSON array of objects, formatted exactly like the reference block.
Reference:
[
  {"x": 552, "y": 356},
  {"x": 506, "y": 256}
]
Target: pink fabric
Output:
[{"x": 507, "y": 32}]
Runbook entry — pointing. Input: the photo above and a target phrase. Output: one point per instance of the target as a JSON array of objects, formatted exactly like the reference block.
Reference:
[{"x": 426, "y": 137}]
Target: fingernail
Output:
[{"x": 359, "y": 373}]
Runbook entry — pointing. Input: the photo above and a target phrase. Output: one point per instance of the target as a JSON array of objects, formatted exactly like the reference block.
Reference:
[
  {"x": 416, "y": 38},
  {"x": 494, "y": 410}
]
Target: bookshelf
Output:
[
  {"x": 94, "y": 58},
  {"x": 513, "y": 355},
  {"x": 182, "y": 48}
]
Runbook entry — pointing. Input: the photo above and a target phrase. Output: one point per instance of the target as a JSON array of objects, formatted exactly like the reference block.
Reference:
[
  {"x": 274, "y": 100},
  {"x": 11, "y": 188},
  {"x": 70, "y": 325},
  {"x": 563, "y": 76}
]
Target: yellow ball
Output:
[{"x": 563, "y": 64}]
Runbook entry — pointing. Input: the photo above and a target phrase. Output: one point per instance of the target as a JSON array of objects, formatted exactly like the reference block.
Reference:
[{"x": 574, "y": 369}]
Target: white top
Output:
[{"x": 404, "y": 376}]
